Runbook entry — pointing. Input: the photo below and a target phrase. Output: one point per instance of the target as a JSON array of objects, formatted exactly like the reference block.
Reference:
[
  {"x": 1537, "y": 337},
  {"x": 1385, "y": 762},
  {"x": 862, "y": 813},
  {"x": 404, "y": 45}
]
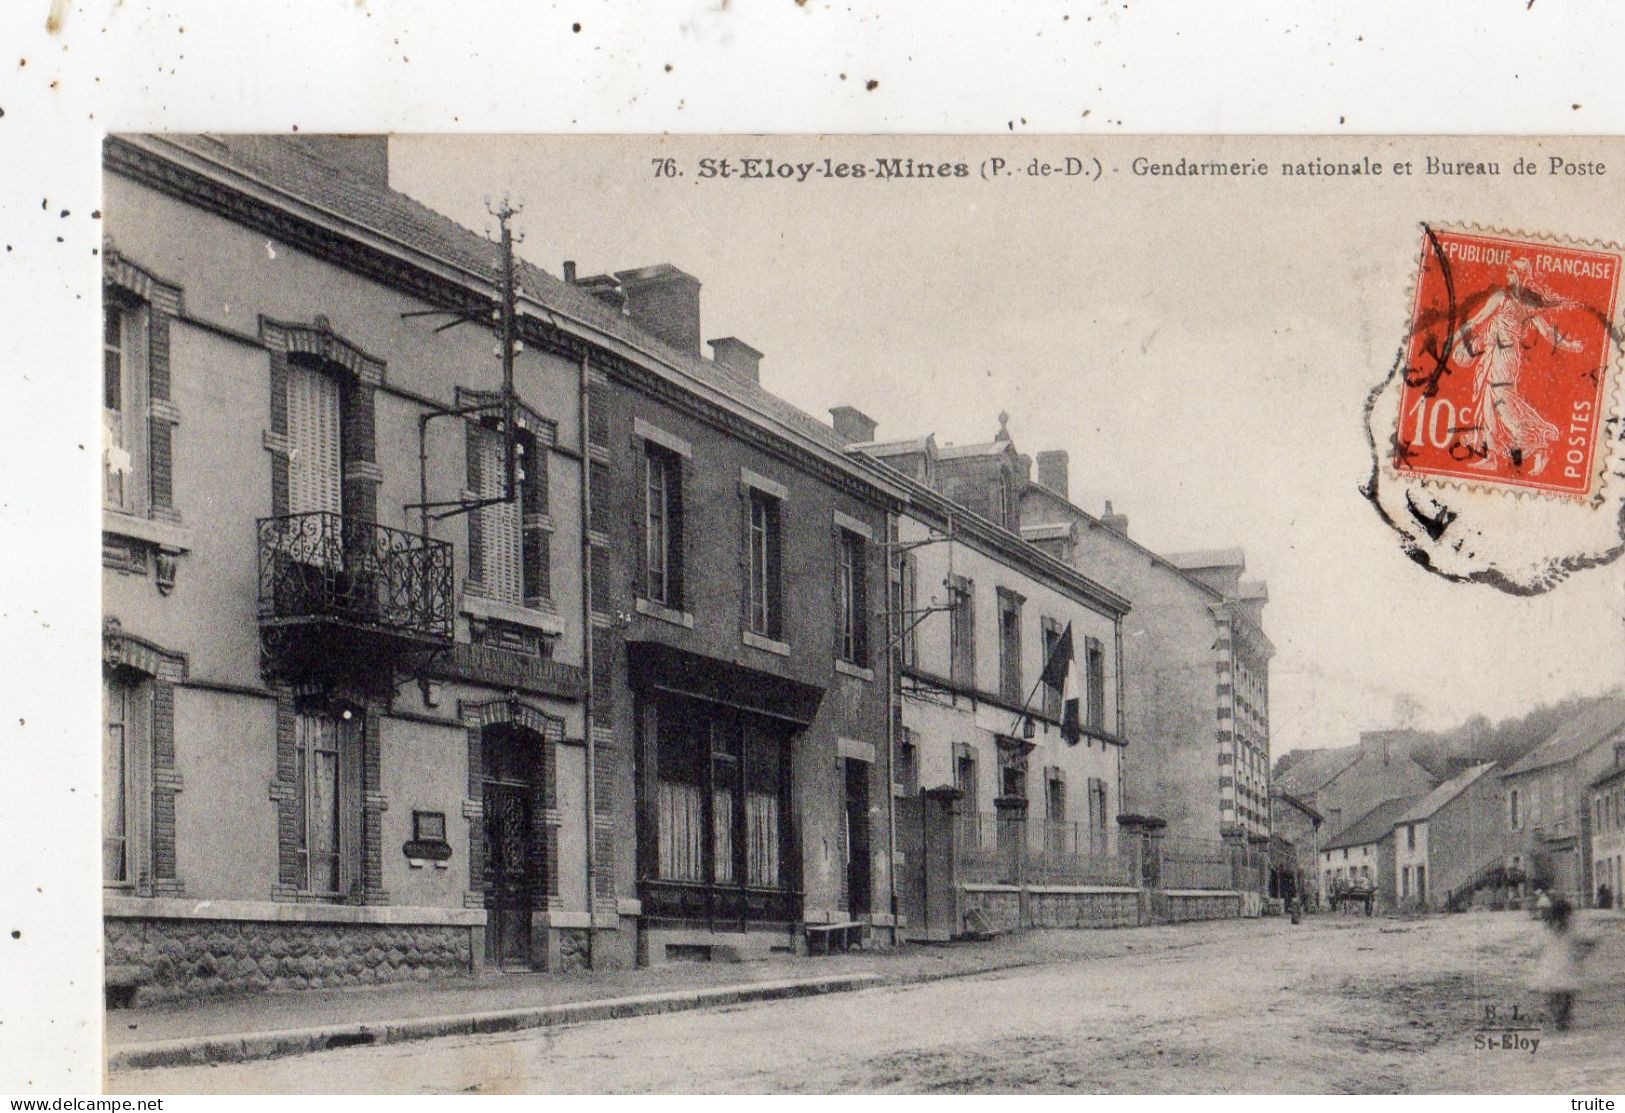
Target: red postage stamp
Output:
[{"x": 1507, "y": 370}]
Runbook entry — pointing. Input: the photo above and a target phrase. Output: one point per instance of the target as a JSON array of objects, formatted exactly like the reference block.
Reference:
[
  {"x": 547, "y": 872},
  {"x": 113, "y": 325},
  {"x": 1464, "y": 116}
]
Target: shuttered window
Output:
[
  {"x": 499, "y": 524},
  {"x": 314, "y": 469},
  {"x": 124, "y": 744}
]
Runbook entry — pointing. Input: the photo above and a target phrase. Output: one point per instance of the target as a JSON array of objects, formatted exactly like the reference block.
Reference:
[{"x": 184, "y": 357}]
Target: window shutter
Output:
[
  {"x": 476, "y": 534},
  {"x": 640, "y": 558},
  {"x": 860, "y": 599},
  {"x": 677, "y": 536},
  {"x": 313, "y": 441},
  {"x": 500, "y": 522},
  {"x": 536, "y": 562},
  {"x": 775, "y": 569},
  {"x": 838, "y": 648}
]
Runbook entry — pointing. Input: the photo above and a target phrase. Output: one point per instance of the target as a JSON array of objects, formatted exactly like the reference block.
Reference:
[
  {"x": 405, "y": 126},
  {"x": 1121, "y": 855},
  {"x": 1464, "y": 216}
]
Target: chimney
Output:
[
  {"x": 1052, "y": 469},
  {"x": 361, "y": 156},
  {"x": 853, "y": 426},
  {"x": 664, "y": 302},
  {"x": 734, "y": 355},
  {"x": 1117, "y": 523},
  {"x": 570, "y": 271},
  {"x": 603, "y": 287}
]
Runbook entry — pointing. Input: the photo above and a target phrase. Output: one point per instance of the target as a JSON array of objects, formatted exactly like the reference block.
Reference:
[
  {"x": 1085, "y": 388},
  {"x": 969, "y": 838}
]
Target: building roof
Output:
[
  {"x": 1609, "y": 776},
  {"x": 1371, "y": 827},
  {"x": 1577, "y": 736},
  {"x": 1315, "y": 769},
  {"x": 1439, "y": 797},
  {"x": 298, "y": 173},
  {"x": 1280, "y": 794},
  {"x": 961, "y": 451}
]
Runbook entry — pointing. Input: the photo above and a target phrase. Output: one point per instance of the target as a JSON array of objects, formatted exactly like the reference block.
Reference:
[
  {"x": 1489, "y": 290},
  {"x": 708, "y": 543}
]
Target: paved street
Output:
[{"x": 1336, "y": 1004}]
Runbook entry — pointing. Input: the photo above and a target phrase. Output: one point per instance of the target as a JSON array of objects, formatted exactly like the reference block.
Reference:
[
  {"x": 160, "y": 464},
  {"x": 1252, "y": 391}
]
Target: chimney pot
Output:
[
  {"x": 570, "y": 271},
  {"x": 733, "y": 354},
  {"x": 1053, "y": 466},
  {"x": 852, "y": 425}
]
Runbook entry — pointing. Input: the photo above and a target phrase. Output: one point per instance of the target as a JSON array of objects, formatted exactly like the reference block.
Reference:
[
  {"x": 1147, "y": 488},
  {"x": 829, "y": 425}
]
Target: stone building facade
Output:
[
  {"x": 976, "y": 612},
  {"x": 312, "y": 702}
]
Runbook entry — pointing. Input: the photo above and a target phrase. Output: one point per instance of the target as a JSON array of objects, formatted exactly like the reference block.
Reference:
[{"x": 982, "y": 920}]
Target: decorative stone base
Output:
[
  {"x": 169, "y": 959},
  {"x": 1080, "y": 907}
]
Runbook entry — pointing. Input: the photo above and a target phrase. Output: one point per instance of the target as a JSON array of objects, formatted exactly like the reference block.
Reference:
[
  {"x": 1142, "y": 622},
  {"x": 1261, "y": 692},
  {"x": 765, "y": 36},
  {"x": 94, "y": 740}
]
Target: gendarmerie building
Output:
[{"x": 388, "y": 521}]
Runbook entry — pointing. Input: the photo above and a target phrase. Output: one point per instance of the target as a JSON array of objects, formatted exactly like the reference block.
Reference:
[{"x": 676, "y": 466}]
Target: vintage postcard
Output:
[{"x": 909, "y": 614}]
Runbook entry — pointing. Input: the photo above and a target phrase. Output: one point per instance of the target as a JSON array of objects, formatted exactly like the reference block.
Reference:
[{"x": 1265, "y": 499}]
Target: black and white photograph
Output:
[{"x": 878, "y": 611}]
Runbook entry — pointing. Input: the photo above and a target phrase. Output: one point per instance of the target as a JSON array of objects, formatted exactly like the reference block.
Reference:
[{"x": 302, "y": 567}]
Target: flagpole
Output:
[{"x": 1067, "y": 636}]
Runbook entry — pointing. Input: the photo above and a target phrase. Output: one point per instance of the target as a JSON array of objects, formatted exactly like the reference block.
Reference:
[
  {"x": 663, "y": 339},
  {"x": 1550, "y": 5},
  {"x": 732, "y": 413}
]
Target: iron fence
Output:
[
  {"x": 1013, "y": 850},
  {"x": 327, "y": 566}
]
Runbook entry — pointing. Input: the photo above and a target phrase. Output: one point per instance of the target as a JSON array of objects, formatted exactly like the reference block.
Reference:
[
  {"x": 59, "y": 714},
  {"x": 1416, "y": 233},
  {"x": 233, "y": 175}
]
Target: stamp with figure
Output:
[{"x": 1507, "y": 373}]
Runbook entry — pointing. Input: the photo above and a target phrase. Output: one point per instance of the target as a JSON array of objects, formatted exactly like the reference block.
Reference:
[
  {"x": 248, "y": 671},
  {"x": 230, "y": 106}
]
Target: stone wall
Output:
[
  {"x": 168, "y": 960},
  {"x": 1204, "y": 906}
]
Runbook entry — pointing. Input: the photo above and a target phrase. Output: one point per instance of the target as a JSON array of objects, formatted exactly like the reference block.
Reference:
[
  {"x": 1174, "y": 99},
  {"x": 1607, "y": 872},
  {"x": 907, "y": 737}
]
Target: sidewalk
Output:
[{"x": 241, "y": 1027}]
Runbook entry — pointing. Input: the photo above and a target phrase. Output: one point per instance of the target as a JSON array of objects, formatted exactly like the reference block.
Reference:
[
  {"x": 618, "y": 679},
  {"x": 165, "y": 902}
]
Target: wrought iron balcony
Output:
[{"x": 329, "y": 584}]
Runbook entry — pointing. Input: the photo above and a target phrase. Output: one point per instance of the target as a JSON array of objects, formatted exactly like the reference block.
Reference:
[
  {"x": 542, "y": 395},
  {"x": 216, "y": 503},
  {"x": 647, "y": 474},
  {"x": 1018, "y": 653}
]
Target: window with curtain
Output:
[
  {"x": 722, "y": 783},
  {"x": 123, "y": 417},
  {"x": 1095, "y": 663},
  {"x": 1010, "y": 685},
  {"x": 962, "y": 633}
]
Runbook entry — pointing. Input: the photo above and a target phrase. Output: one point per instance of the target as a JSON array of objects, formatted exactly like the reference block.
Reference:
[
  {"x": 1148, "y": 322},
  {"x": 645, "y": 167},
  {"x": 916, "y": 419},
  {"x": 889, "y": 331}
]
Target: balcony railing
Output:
[{"x": 329, "y": 569}]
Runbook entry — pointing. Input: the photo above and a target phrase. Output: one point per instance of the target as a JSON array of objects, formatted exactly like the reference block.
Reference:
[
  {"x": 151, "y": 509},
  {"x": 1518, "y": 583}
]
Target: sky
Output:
[{"x": 1202, "y": 348}]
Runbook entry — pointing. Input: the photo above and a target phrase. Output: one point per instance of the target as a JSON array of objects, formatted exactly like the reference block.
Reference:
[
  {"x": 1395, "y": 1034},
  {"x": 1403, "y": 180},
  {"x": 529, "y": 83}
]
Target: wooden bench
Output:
[{"x": 828, "y": 936}]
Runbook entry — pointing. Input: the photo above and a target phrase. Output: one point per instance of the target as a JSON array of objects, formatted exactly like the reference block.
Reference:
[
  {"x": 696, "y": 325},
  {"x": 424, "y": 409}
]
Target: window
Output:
[
  {"x": 907, "y": 771},
  {"x": 1013, "y": 777},
  {"x": 1405, "y": 881},
  {"x": 1094, "y": 656},
  {"x": 123, "y": 417},
  {"x": 965, "y": 781},
  {"x": 663, "y": 526},
  {"x": 722, "y": 797},
  {"x": 1099, "y": 817},
  {"x": 327, "y": 800},
  {"x": 1055, "y": 799},
  {"x": 852, "y": 598},
  {"x": 1410, "y": 836},
  {"x": 509, "y": 542},
  {"x": 1053, "y": 693},
  {"x": 314, "y": 448},
  {"x": 124, "y": 715},
  {"x": 1010, "y": 647},
  {"x": 1512, "y": 810},
  {"x": 763, "y": 566},
  {"x": 962, "y": 632},
  {"x": 904, "y": 604}
]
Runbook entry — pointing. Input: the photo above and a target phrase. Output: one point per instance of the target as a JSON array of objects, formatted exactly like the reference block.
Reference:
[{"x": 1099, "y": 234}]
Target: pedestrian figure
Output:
[
  {"x": 1543, "y": 904},
  {"x": 1558, "y": 970}
]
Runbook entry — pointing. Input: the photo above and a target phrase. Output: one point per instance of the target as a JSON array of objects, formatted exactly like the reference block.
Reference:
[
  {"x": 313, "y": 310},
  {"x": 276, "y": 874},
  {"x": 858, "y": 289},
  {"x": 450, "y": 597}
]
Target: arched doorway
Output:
[{"x": 512, "y": 799}]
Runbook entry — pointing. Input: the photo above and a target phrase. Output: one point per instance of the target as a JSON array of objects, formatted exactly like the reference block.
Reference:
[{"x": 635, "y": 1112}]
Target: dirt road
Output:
[{"x": 1342, "y": 1005}]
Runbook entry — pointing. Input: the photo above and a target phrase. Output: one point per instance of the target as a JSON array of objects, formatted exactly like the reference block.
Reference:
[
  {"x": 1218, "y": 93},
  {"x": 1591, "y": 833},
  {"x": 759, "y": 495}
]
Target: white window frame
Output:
[
  {"x": 135, "y": 741},
  {"x": 347, "y": 726},
  {"x": 657, "y": 523},
  {"x": 124, "y": 430}
]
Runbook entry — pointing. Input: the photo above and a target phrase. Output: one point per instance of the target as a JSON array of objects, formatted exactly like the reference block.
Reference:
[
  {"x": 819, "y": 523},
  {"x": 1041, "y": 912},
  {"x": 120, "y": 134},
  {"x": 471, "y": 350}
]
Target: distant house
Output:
[
  {"x": 1608, "y": 833},
  {"x": 1547, "y": 804},
  {"x": 1344, "y": 784},
  {"x": 1300, "y": 828},
  {"x": 1448, "y": 839},
  {"x": 1361, "y": 855}
]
